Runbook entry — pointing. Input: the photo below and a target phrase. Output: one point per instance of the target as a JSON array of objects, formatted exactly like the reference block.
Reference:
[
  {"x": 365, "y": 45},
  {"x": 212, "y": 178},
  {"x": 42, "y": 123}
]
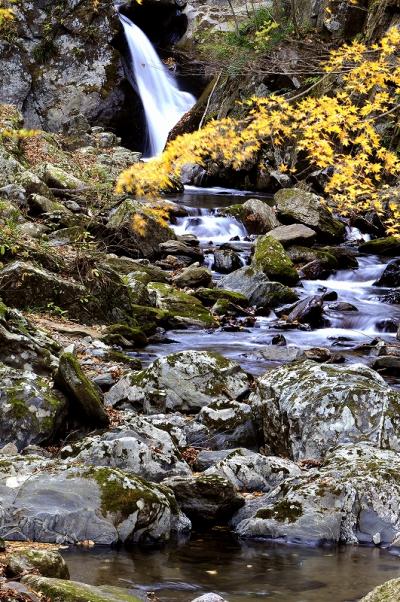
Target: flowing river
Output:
[{"x": 247, "y": 571}]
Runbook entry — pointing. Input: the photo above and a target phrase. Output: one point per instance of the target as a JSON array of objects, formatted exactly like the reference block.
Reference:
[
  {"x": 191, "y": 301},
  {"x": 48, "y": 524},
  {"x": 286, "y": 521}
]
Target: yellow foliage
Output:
[{"x": 336, "y": 131}]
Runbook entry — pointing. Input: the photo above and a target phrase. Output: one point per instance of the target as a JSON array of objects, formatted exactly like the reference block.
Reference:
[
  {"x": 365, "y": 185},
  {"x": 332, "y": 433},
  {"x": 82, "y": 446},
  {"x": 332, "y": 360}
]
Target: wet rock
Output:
[
  {"x": 73, "y": 591},
  {"x": 295, "y": 234},
  {"x": 271, "y": 259},
  {"x": 352, "y": 498},
  {"x": 346, "y": 257},
  {"x": 308, "y": 408},
  {"x": 257, "y": 288},
  {"x": 304, "y": 255},
  {"x": 318, "y": 269},
  {"x": 86, "y": 398},
  {"x": 138, "y": 448},
  {"x": 205, "y": 499},
  {"x": 389, "y": 246},
  {"x": 31, "y": 412},
  {"x": 184, "y": 381},
  {"x": 181, "y": 249},
  {"x": 388, "y": 591},
  {"x": 226, "y": 261},
  {"x": 298, "y": 206},
  {"x": 125, "y": 336},
  {"x": 56, "y": 502},
  {"x": 308, "y": 311},
  {"x": 125, "y": 266},
  {"x": 283, "y": 354},
  {"x": 258, "y": 217},
  {"x": 193, "y": 276},
  {"x": 391, "y": 275},
  {"x": 250, "y": 471},
  {"x": 342, "y": 306},
  {"x": 48, "y": 563},
  {"x": 387, "y": 364},
  {"x": 230, "y": 424},
  {"x": 209, "y": 598},
  {"x": 184, "y": 308},
  {"x": 386, "y": 325},
  {"x": 134, "y": 230},
  {"x": 392, "y": 297},
  {"x": 25, "y": 285}
]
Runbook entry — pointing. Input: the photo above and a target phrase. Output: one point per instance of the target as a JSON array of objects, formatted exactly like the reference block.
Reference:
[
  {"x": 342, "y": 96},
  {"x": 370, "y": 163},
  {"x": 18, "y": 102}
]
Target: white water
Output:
[{"x": 164, "y": 104}]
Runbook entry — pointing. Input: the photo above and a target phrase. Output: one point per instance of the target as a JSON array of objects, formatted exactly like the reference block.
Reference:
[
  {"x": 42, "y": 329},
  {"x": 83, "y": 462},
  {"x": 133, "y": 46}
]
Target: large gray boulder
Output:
[
  {"x": 353, "y": 498},
  {"x": 258, "y": 216},
  {"x": 307, "y": 408},
  {"x": 50, "y": 83},
  {"x": 31, "y": 412},
  {"x": 271, "y": 259},
  {"x": 138, "y": 447},
  {"x": 298, "y": 206},
  {"x": 60, "y": 502},
  {"x": 229, "y": 424},
  {"x": 295, "y": 234},
  {"x": 250, "y": 471},
  {"x": 184, "y": 381},
  {"x": 257, "y": 288}
]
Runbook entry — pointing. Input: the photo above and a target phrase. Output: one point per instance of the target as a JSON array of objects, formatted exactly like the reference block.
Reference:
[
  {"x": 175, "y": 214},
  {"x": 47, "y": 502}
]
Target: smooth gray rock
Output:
[
  {"x": 258, "y": 217},
  {"x": 257, "y": 288},
  {"x": 230, "y": 424},
  {"x": 295, "y": 234}
]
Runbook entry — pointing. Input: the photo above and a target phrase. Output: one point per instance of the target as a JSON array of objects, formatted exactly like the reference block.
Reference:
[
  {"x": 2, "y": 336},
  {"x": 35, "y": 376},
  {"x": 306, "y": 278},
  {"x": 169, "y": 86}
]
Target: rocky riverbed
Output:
[{"x": 211, "y": 361}]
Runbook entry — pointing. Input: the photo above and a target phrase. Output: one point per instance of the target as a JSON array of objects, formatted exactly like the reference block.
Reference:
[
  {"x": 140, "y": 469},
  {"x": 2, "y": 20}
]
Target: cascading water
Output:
[{"x": 164, "y": 104}]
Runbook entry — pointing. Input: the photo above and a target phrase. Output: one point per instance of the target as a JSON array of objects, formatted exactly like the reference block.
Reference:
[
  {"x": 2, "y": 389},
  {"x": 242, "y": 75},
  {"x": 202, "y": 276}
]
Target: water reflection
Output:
[{"x": 239, "y": 571}]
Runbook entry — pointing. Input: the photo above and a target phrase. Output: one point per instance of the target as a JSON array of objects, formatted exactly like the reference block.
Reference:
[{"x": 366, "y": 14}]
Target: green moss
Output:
[
  {"x": 59, "y": 590},
  {"x": 181, "y": 305},
  {"x": 270, "y": 257},
  {"x": 209, "y": 296},
  {"x": 283, "y": 511}
]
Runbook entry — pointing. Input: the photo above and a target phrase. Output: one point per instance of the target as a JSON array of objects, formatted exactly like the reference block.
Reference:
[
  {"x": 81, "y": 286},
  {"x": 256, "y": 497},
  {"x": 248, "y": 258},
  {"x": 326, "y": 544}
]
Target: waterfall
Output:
[{"x": 164, "y": 104}]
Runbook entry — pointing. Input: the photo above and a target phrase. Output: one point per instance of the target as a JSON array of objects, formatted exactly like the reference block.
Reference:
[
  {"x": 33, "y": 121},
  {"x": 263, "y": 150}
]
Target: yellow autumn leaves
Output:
[{"x": 346, "y": 131}]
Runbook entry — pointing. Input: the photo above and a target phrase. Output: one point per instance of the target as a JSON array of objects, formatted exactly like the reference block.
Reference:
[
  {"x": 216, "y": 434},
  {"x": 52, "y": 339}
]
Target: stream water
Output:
[{"x": 243, "y": 571}]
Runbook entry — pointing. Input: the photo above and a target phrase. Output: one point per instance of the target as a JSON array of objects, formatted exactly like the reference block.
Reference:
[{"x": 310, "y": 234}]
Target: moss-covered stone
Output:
[
  {"x": 209, "y": 296},
  {"x": 86, "y": 398},
  {"x": 387, "y": 592},
  {"x": 48, "y": 563},
  {"x": 125, "y": 336},
  {"x": 271, "y": 259},
  {"x": 185, "y": 308},
  {"x": 59, "y": 590},
  {"x": 389, "y": 246}
]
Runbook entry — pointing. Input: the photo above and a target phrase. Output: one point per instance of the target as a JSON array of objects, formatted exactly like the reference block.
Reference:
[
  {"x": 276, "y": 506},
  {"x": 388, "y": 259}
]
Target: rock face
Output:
[
  {"x": 308, "y": 408},
  {"x": 271, "y": 259},
  {"x": 229, "y": 424},
  {"x": 184, "y": 381},
  {"x": 257, "y": 288},
  {"x": 59, "y": 63},
  {"x": 138, "y": 447},
  {"x": 31, "y": 412},
  {"x": 55, "y": 502},
  {"x": 205, "y": 499},
  {"x": 295, "y": 205},
  {"x": 352, "y": 498}
]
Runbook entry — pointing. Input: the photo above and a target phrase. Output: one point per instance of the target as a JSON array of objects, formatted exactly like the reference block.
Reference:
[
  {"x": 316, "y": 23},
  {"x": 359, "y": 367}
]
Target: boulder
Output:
[
  {"x": 193, "y": 276},
  {"x": 205, "y": 499},
  {"x": 352, "y": 498},
  {"x": 229, "y": 423},
  {"x": 135, "y": 230},
  {"x": 391, "y": 275},
  {"x": 181, "y": 248},
  {"x": 59, "y": 502},
  {"x": 226, "y": 261},
  {"x": 138, "y": 448},
  {"x": 184, "y": 308},
  {"x": 48, "y": 563},
  {"x": 31, "y": 411},
  {"x": 308, "y": 311},
  {"x": 389, "y": 246},
  {"x": 295, "y": 234},
  {"x": 55, "y": 177},
  {"x": 250, "y": 471},
  {"x": 209, "y": 296},
  {"x": 209, "y": 598},
  {"x": 298, "y": 206},
  {"x": 57, "y": 590},
  {"x": 184, "y": 381},
  {"x": 308, "y": 408},
  {"x": 25, "y": 285},
  {"x": 271, "y": 259},
  {"x": 258, "y": 216},
  {"x": 387, "y": 592},
  {"x": 86, "y": 399},
  {"x": 257, "y": 288}
]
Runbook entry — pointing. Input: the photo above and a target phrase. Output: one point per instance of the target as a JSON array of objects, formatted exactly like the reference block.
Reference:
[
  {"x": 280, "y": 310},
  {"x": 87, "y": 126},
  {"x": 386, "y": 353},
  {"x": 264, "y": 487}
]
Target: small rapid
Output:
[{"x": 164, "y": 104}]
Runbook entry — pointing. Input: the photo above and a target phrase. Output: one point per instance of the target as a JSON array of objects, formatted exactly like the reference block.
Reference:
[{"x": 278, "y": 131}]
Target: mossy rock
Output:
[
  {"x": 389, "y": 246},
  {"x": 48, "y": 563},
  {"x": 185, "y": 308},
  {"x": 125, "y": 336},
  {"x": 59, "y": 590},
  {"x": 86, "y": 398},
  {"x": 387, "y": 592},
  {"x": 271, "y": 259},
  {"x": 301, "y": 255},
  {"x": 209, "y": 296}
]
